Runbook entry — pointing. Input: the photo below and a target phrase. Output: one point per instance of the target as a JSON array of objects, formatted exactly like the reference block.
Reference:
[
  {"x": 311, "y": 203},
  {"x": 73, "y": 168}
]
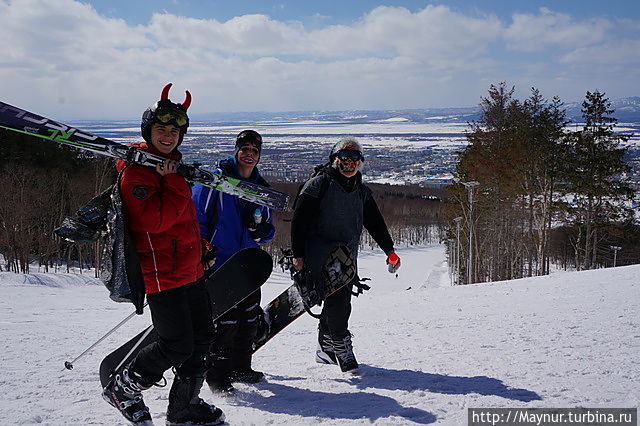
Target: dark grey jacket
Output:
[{"x": 331, "y": 211}]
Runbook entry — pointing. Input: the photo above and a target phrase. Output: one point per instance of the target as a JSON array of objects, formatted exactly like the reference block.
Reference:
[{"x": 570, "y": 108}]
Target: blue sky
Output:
[
  {"x": 109, "y": 59},
  {"x": 333, "y": 12}
]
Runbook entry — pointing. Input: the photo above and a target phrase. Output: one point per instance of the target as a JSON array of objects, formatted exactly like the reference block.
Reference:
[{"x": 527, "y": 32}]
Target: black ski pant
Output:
[
  {"x": 235, "y": 332},
  {"x": 182, "y": 319},
  {"x": 334, "y": 318}
]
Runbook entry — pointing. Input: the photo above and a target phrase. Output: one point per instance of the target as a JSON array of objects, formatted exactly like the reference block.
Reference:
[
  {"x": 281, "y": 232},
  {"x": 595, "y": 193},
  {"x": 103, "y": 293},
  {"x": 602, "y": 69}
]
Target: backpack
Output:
[
  {"x": 317, "y": 170},
  {"x": 103, "y": 218}
]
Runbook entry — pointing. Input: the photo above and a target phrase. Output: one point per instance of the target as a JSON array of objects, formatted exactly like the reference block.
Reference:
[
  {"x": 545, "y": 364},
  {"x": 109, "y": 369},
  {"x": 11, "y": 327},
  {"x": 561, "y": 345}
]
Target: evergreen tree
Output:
[
  {"x": 494, "y": 159},
  {"x": 595, "y": 174},
  {"x": 513, "y": 153},
  {"x": 543, "y": 169}
]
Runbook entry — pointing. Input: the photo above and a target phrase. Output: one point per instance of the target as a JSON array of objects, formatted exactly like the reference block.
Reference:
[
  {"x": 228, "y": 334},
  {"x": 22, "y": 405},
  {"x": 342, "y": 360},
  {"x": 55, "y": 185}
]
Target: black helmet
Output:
[{"x": 166, "y": 112}]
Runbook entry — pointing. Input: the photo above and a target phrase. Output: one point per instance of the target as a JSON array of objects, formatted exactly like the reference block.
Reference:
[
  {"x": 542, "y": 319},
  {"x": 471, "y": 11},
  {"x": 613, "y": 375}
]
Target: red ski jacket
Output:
[{"x": 162, "y": 219}]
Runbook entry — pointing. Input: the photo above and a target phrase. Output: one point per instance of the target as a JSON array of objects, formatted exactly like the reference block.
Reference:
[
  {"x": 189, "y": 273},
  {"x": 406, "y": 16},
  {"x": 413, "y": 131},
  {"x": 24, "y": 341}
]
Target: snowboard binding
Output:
[
  {"x": 339, "y": 270},
  {"x": 302, "y": 280}
]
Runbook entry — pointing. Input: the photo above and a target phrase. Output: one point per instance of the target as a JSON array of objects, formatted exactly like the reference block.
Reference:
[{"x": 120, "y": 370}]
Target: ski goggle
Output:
[
  {"x": 171, "y": 116},
  {"x": 348, "y": 154}
]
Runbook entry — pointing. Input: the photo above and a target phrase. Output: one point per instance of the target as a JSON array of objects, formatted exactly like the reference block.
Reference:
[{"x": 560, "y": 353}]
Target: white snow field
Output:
[{"x": 427, "y": 351}]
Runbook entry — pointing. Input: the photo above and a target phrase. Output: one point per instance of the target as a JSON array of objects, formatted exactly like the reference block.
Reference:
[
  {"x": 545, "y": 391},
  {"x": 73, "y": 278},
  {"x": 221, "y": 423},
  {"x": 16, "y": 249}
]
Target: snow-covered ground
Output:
[{"x": 428, "y": 351}]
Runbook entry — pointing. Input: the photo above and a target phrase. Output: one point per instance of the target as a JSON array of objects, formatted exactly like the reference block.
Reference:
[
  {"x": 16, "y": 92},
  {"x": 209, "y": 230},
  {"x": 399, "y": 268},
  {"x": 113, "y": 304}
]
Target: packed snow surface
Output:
[{"x": 427, "y": 351}]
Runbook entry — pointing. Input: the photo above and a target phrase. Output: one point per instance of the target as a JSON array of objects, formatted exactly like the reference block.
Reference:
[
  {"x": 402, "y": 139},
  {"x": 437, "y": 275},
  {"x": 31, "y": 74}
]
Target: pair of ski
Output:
[
  {"x": 234, "y": 281},
  {"x": 21, "y": 121}
]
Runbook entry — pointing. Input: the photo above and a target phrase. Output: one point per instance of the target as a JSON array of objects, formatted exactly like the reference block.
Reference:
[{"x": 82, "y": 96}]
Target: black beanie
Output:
[{"x": 246, "y": 137}]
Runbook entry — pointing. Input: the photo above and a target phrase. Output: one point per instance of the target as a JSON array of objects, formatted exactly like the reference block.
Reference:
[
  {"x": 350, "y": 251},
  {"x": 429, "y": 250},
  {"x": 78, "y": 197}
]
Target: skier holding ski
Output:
[
  {"x": 330, "y": 211},
  {"x": 162, "y": 219},
  {"x": 230, "y": 225}
]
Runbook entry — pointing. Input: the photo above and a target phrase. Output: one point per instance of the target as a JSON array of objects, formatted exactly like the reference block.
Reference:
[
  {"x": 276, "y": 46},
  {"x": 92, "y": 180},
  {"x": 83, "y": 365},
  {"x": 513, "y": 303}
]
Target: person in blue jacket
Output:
[{"x": 230, "y": 225}]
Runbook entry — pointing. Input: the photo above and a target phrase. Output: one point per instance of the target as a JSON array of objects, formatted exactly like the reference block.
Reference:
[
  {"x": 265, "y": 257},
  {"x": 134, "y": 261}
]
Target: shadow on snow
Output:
[
  {"x": 409, "y": 380},
  {"x": 366, "y": 404},
  {"x": 308, "y": 403}
]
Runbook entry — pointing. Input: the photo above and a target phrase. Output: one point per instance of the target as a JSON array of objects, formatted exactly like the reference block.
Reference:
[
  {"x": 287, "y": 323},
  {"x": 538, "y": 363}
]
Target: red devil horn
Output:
[
  {"x": 187, "y": 100},
  {"x": 165, "y": 92}
]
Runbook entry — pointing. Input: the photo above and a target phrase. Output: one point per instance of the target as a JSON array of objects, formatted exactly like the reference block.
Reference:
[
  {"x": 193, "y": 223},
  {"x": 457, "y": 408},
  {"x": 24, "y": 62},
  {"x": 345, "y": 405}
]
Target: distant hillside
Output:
[
  {"x": 462, "y": 114},
  {"x": 626, "y": 110}
]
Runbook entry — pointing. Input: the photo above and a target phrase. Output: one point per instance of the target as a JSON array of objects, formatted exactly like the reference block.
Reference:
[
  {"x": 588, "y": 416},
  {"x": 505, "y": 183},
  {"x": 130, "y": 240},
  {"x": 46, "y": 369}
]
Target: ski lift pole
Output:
[{"x": 69, "y": 364}]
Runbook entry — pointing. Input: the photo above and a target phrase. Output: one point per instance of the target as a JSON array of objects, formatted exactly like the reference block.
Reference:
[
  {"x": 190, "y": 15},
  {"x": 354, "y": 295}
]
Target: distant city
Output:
[{"x": 401, "y": 146}]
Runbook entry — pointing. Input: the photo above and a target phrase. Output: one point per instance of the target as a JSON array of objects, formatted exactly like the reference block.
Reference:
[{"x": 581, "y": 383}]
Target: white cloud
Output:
[
  {"x": 384, "y": 32},
  {"x": 622, "y": 52},
  {"x": 537, "y": 32},
  {"x": 62, "y": 57},
  {"x": 62, "y": 33}
]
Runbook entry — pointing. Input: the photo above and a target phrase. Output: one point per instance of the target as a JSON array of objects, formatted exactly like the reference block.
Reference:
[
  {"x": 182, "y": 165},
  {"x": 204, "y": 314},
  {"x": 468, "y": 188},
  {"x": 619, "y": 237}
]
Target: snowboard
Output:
[
  {"x": 339, "y": 270},
  {"x": 234, "y": 281}
]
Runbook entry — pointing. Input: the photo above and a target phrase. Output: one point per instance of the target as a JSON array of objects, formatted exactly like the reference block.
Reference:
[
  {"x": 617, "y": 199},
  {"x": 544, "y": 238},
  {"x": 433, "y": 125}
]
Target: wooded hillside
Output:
[{"x": 41, "y": 183}]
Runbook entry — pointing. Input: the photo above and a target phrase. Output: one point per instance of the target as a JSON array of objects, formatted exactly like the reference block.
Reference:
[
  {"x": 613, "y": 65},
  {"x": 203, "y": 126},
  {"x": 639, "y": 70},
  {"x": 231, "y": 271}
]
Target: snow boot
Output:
[
  {"x": 325, "y": 353},
  {"x": 186, "y": 408},
  {"x": 242, "y": 371},
  {"x": 219, "y": 382},
  {"x": 124, "y": 392},
  {"x": 246, "y": 376},
  {"x": 344, "y": 354}
]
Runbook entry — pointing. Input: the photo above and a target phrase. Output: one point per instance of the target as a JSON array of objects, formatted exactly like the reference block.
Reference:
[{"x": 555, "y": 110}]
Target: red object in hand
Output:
[{"x": 393, "y": 260}]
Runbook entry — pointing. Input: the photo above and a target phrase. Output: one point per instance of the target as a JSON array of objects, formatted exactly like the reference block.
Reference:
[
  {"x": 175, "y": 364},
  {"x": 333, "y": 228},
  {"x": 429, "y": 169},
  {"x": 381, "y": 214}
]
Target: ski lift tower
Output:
[
  {"x": 615, "y": 254},
  {"x": 470, "y": 186}
]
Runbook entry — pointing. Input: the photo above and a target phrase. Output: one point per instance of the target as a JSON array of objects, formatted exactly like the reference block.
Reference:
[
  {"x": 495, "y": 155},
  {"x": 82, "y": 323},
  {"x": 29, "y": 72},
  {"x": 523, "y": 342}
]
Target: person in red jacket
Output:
[{"x": 162, "y": 220}]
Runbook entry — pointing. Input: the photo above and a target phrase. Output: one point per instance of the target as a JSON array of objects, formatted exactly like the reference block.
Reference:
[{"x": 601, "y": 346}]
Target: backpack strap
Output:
[{"x": 317, "y": 170}]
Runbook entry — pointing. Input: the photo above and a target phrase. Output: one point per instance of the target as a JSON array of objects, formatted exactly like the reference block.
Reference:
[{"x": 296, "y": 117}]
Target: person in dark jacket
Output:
[
  {"x": 331, "y": 211},
  {"x": 230, "y": 225},
  {"x": 161, "y": 217}
]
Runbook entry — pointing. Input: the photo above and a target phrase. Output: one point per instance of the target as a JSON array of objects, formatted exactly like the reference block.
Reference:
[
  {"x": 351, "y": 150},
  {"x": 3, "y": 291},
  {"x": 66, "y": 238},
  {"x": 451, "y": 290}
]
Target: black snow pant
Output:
[
  {"x": 336, "y": 310},
  {"x": 235, "y": 332},
  {"x": 182, "y": 319}
]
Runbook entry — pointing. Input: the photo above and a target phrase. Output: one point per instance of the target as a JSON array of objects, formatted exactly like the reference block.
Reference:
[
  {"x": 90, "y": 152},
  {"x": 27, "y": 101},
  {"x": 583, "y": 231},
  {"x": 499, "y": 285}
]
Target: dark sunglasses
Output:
[
  {"x": 172, "y": 116},
  {"x": 347, "y": 154}
]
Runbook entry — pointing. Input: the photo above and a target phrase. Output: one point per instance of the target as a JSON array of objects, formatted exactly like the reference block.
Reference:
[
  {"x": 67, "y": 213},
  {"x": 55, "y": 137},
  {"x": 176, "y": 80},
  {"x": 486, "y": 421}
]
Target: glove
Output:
[
  {"x": 260, "y": 231},
  {"x": 208, "y": 254},
  {"x": 393, "y": 260}
]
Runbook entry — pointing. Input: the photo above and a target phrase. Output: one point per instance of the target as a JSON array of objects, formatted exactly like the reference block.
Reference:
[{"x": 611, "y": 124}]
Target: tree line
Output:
[
  {"x": 413, "y": 214},
  {"x": 42, "y": 182},
  {"x": 530, "y": 193}
]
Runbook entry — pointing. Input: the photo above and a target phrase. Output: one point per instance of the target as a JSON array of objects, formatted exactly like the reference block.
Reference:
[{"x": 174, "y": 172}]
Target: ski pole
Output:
[
  {"x": 132, "y": 350},
  {"x": 69, "y": 364}
]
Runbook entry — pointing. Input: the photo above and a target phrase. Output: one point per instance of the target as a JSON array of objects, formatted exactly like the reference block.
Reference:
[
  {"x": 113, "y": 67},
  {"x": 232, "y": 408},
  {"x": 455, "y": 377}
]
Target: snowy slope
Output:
[{"x": 427, "y": 351}]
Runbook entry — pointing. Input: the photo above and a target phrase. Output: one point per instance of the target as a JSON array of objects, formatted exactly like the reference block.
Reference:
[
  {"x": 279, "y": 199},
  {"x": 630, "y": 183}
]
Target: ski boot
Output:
[
  {"x": 124, "y": 392},
  {"x": 187, "y": 408}
]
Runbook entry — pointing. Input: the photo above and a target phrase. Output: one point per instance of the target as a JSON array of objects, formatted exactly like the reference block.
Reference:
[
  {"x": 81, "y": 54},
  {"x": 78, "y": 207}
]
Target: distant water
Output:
[{"x": 410, "y": 146}]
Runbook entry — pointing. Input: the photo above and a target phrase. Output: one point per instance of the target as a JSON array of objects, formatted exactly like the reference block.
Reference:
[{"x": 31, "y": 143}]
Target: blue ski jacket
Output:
[{"x": 225, "y": 219}]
